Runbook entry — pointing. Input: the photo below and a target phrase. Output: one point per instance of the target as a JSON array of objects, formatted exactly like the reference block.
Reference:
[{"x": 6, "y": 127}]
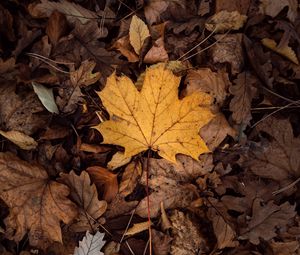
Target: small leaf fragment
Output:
[
  {"x": 46, "y": 97},
  {"x": 138, "y": 32},
  {"x": 20, "y": 139},
  {"x": 137, "y": 228}
]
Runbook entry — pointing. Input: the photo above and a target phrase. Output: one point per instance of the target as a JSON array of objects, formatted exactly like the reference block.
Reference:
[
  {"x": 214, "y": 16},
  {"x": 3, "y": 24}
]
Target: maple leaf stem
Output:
[{"x": 148, "y": 202}]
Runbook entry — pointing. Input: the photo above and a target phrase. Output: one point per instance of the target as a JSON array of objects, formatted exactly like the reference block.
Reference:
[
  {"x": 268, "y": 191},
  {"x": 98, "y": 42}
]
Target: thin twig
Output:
[{"x": 128, "y": 224}]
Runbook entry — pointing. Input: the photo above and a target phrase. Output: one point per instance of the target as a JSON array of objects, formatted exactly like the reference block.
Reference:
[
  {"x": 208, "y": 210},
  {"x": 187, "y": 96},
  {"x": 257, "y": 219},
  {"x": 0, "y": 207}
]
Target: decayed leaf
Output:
[
  {"x": 154, "y": 9},
  {"x": 90, "y": 244},
  {"x": 130, "y": 177},
  {"x": 187, "y": 237},
  {"x": 25, "y": 142},
  {"x": 84, "y": 76},
  {"x": 85, "y": 196},
  {"x": 123, "y": 45},
  {"x": 154, "y": 118},
  {"x": 104, "y": 178},
  {"x": 243, "y": 92},
  {"x": 280, "y": 160},
  {"x": 137, "y": 228},
  {"x": 138, "y": 32},
  {"x": 205, "y": 80},
  {"x": 266, "y": 219},
  {"x": 71, "y": 10},
  {"x": 157, "y": 53},
  {"x": 225, "y": 20},
  {"x": 285, "y": 51},
  {"x": 36, "y": 203},
  {"x": 46, "y": 97},
  {"x": 273, "y": 7},
  {"x": 161, "y": 242},
  {"x": 56, "y": 26},
  {"x": 285, "y": 248}
]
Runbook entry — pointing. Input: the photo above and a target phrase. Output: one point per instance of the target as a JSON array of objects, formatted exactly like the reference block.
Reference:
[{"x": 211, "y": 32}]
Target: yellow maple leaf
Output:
[{"x": 154, "y": 118}]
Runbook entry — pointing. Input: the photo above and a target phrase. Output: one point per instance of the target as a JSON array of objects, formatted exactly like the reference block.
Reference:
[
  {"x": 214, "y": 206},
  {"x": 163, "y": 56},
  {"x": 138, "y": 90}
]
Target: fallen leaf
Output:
[
  {"x": 36, "y": 203},
  {"x": 137, "y": 228},
  {"x": 93, "y": 148},
  {"x": 205, "y": 80},
  {"x": 119, "y": 206},
  {"x": 243, "y": 92},
  {"x": 25, "y": 142},
  {"x": 285, "y": 248},
  {"x": 142, "y": 120},
  {"x": 72, "y": 11},
  {"x": 69, "y": 98},
  {"x": 285, "y": 51},
  {"x": 154, "y": 9},
  {"x": 124, "y": 46},
  {"x": 241, "y": 6},
  {"x": 7, "y": 22},
  {"x": 187, "y": 238},
  {"x": 229, "y": 50},
  {"x": 85, "y": 195},
  {"x": 7, "y": 66},
  {"x": 161, "y": 242},
  {"x": 84, "y": 76},
  {"x": 130, "y": 178},
  {"x": 46, "y": 96},
  {"x": 56, "y": 26},
  {"x": 90, "y": 244},
  {"x": 273, "y": 7},
  {"x": 138, "y": 32},
  {"x": 266, "y": 219},
  {"x": 104, "y": 178},
  {"x": 157, "y": 53},
  {"x": 225, "y": 20},
  {"x": 118, "y": 160}
]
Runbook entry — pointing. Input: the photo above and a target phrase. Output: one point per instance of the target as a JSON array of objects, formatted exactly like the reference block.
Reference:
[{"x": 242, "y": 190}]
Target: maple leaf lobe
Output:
[{"x": 154, "y": 117}]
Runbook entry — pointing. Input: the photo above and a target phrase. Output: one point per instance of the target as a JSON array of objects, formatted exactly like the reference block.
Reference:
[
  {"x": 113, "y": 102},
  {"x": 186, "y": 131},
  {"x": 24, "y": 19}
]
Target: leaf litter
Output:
[{"x": 176, "y": 117}]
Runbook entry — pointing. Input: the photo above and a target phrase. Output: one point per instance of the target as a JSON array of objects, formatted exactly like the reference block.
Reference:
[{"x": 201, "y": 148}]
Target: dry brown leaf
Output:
[
  {"x": 120, "y": 207},
  {"x": 56, "y": 27},
  {"x": 266, "y": 219},
  {"x": 118, "y": 160},
  {"x": 154, "y": 9},
  {"x": 7, "y": 22},
  {"x": 154, "y": 118},
  {"x": 280, "y": 160},
  {"x": 7, "y": 65},
  {"x": 72, "y": 11},
  {"x": 106, "y": 180},
  {"x": 36, "y": 203},
  {"x": 130, "y": 178},
  {"x": 138, "y": 32},
  {"x": 273, "y": 7},
  {"x": 123, "y": 45},
  {"x": 229, "y": 50},
  {"x": 285, "y": 248},
  {"x": 85, "y": 195},
  {"x": 285, "y": 51},
  {"x": 137, "y": 228},
  {"x": 94, "y": 148},
  {"x": 187, "y": 238},
  {"x": 25, "y": 142},
  {"x": 84, "y": 76},
  {"x": 243, "y": 92},
  {"x": 241, "y": 6},
  {"x": 205, "y": 80},
  {"x": 225, "y": 20},
  {"x": 157, "y": 53},
  {"x": 161, "y": 242}
]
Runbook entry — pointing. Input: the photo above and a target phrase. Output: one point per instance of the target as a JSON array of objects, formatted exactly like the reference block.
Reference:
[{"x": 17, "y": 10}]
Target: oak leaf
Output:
[
  {"x": 138, "y": 32},
  {"x": 36, "y": 203},
  {"x": 154, "y": 118},
  {"x": 85, "y": 196},
  {"x": 90, "y": 244}
]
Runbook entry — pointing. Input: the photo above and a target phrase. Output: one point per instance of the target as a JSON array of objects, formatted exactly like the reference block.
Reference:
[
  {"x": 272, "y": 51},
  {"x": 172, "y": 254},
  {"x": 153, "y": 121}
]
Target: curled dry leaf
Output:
[
  {"x": 205, "y": 80},
  {"x": 56, "y": 26},
  {"x": 137, "y": 228},
  {"x": 105, "y": 180},
  {"x": 36, "y": 203},
  {"x": 138, "y": 32},
  {"x": 243, "y": 92},
  {"x": 25, "y": 142},
  {"x": 225, "y": 20},
  {"x": 124, "y": 46},
  {"x": 266, "y": 219},
  {"x": 187, "y": 238},
  {"x": 154, "y": 118},
  {"x": 85, "y": 195},
  {"x": 285, "y": 51}
]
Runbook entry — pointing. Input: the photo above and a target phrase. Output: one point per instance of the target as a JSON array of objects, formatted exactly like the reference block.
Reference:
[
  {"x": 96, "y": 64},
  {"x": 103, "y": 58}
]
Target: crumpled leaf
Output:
[
  {"x": 266, "y": 219},
  {"x": 154, "y": 118},
  {"x": 46, "y": 96},
  {"x": 273, "y": 7},
  {"x": 280, "y": 160},
  {"x": 36, "y": 203},
  {"x": 137, "y": 228},
  {"x": 187, "y": 238},
  {"x": 154, "y": 9},
  {"x": 71, "y": 10},
  {"x": 157, "y": 53},
  {"x": 90, "y": 244},
  {"x": 243, "y": 92},
  {"x": 285, "y": 51},
  {"x": 86, "y": 197},
  {"x": 84, "y": 76},
  {"x": 24, "y": 141},
  {"x": 225, "y": 20},
  {"x": 138, "y": 32},
  {"x": 124, "y": 46}
]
